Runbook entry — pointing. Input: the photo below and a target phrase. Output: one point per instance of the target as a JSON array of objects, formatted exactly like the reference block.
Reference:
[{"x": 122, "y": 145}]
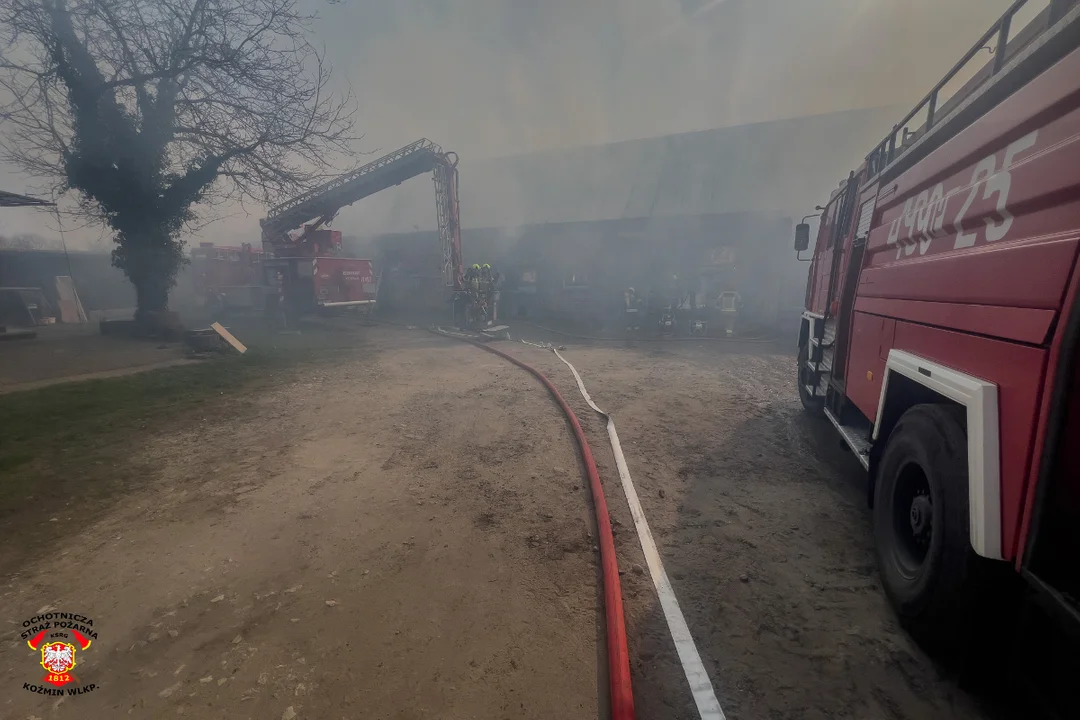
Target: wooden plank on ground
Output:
[{"x": 240, "y": 347}]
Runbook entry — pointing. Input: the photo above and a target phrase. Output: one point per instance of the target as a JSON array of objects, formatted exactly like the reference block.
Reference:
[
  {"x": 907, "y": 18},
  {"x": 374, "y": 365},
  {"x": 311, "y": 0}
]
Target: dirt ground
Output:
[
  {"x": 760, "y": 518},
  {"x": 407, "y": 534}
]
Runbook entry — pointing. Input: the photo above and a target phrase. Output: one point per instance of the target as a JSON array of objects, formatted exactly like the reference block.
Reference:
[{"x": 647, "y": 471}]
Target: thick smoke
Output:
[
  {"x": 490, "y": 78},
  {"x": 500, "y": 77}
]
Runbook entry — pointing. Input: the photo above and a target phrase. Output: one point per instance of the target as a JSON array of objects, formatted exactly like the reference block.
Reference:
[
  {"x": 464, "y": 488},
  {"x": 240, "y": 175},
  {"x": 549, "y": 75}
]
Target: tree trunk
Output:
[
  {"x": 151, "y": 296},
  {"x": 150, "y": 261}
]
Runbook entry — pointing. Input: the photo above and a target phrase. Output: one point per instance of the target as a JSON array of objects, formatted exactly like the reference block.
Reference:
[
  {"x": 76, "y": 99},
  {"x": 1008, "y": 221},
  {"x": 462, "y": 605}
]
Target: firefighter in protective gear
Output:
[
  {"x": 492, "y": 279},
  {"x": 472, "y": 278},
  {"x": 633, "y": 303}
]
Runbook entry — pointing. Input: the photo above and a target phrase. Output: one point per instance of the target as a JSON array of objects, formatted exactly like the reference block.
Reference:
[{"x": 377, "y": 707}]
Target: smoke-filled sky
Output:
[{"x": 495, "y": 77}]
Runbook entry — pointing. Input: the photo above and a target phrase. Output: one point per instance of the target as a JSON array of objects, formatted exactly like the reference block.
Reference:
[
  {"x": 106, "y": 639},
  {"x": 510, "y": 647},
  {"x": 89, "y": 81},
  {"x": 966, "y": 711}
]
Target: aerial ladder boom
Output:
[{"x": 318, "y": 206}]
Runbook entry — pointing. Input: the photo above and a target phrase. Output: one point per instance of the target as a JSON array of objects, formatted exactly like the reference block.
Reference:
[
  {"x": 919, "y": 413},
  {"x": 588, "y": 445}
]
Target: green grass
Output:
[
  {"x": 81, "y": 412},
  {"x": 80, "y": 442},
  {"x": 75, "y": 438}
]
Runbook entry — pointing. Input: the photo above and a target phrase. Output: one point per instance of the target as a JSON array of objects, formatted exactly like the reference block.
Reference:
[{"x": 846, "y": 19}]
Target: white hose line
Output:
[{"x": 704, "y": 696}]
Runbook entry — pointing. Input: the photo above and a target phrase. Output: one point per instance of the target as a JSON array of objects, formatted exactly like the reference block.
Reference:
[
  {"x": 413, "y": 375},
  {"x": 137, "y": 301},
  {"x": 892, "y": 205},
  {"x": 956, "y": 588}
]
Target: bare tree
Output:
[{"x": 147, "y": 108}]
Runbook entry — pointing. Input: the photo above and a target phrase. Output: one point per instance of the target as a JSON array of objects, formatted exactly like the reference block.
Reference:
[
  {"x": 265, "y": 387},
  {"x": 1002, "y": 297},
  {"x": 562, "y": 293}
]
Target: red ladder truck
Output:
[
  {"x": 307, "y": 263},
  {"x": 942, "y": 327}
]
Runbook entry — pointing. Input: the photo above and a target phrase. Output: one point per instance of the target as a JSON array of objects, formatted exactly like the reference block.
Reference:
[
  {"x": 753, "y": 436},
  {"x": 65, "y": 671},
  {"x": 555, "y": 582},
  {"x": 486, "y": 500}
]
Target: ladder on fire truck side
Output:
[
  {"x": 820, "y": 358},
  {"x": 827, "y": 335}
]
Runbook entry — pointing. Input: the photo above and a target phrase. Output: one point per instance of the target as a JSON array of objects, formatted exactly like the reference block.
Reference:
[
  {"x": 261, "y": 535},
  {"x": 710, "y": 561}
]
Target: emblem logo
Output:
[
  {"x": 58, "y": 658},
  {"x": 58, "y": 637}
]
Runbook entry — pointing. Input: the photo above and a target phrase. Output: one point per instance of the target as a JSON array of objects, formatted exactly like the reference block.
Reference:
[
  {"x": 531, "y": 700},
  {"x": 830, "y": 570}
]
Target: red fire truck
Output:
[
  {"x": 942, "y": 322},
  {"x": 228, "y": 277},
  {"x": 307, "y": 264},
  {"x": 310, "y": 273}
]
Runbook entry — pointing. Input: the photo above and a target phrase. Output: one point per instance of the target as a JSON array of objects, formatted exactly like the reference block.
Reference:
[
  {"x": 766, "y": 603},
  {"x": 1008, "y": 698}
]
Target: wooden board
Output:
[
  {"x": 239, "y": 346},
  {"x": 71, "y": 309}
]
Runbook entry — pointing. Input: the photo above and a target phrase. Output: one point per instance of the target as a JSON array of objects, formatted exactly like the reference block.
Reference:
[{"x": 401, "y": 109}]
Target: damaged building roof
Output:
[{"x": 778, "y": 167}]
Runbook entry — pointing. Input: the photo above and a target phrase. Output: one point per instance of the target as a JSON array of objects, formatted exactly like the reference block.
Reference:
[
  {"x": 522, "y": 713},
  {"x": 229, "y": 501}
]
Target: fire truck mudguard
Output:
[{"x": 982, "y": 451}]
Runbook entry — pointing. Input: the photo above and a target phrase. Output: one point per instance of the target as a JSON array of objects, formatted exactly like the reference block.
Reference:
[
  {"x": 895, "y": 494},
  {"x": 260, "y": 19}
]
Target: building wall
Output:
[
  {"x": 100, "y": 285},
  {"x": 102, "y": 288},
  {"x": 630, "y": 212},
  {"x": 783, "y": 166},
  {"x": 579, "y": 271}
]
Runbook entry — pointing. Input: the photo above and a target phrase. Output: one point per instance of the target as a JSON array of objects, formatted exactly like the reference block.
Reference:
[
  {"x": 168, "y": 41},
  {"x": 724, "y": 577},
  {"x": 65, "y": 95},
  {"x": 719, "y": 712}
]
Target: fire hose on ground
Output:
[
  {"x": 621, "y": 693},
  {"x": 697, "y": 677}
]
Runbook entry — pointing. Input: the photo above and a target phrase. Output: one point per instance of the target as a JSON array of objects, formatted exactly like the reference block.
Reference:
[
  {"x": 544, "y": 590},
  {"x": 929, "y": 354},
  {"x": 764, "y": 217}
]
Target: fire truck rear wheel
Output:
[
  {"x": 812, "y": 405},
  {"x": 921, "y": 517}
]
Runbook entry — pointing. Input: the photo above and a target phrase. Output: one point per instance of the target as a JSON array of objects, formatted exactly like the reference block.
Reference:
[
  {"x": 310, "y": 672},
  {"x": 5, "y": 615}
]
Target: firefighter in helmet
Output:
[
  {"x": 491, "y": 282},
  {"x": 633, "y": 303},
  {"x": 472, "y": 278}
]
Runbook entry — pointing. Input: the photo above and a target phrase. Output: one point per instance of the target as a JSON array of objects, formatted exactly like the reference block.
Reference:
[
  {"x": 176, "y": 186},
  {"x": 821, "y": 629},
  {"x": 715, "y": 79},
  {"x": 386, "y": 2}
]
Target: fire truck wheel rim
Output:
[{"x": 913, "y": 511}]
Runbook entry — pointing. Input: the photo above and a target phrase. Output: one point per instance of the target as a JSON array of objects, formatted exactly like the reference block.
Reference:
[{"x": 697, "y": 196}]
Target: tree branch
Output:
[{"x": 149, "y": 108}]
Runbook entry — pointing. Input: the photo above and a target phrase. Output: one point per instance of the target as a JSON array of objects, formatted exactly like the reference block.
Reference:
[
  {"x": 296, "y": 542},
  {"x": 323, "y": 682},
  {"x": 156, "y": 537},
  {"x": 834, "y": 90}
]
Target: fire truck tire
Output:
[
  {"x": 812, "y": 405},
  {"x": 921, "y": 517}
]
